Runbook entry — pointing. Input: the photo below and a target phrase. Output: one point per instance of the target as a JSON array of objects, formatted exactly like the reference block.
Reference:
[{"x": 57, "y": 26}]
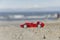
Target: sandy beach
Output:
[{"x": 10, "y": 30}]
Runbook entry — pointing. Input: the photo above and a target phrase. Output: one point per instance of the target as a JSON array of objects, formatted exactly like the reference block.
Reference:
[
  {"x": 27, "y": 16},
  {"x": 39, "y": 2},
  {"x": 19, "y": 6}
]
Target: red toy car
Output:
[{"x": 32, "y": 25}]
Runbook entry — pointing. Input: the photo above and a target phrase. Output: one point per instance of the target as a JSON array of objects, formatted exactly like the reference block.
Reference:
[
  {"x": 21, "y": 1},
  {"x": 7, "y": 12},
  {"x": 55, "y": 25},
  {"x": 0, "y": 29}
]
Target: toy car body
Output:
[{"x": 32, "y": 25}]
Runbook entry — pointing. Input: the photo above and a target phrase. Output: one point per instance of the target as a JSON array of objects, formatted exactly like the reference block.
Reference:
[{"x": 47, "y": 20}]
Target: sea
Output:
[{"x": 17, "y": 16}]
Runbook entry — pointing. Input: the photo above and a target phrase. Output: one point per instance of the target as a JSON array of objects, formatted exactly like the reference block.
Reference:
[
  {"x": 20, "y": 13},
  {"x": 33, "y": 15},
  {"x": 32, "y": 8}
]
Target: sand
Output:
[{"x": 10, "y": 30}]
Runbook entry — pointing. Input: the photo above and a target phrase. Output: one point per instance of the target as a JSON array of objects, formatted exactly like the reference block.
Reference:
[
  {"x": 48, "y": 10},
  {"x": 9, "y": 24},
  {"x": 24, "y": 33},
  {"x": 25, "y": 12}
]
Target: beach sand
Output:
[{"x": 10, "y": 30}]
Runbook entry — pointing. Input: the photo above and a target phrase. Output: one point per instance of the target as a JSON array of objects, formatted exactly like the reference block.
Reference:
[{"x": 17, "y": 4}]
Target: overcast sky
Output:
[{"x": 14, "y": 4}]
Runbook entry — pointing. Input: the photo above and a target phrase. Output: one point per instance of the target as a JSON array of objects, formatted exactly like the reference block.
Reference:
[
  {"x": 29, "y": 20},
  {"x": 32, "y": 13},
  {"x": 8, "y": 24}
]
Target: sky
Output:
[{"x": 24, "y": 4}]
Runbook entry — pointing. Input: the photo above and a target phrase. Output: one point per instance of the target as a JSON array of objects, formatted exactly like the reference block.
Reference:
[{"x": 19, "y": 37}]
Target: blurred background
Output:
[{"x": 11, "y": 10}]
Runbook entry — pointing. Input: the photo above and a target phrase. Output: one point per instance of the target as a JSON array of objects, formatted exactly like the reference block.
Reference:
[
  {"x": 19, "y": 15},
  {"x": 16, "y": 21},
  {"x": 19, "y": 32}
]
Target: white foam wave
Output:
[
  {"x": 35, "y": 17},
  {"x": 16, "y": 16},
  {"x": 52, "y": 16}
]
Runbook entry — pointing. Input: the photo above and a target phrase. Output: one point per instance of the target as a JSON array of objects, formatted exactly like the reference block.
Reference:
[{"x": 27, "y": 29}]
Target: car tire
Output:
[
  {"x": 39, "y": 26},
  {"x": 25, "y": 26}
]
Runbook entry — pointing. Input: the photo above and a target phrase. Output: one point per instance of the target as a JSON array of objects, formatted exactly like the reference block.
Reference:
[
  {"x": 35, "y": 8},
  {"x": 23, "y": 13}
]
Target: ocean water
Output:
[{"x": 11, "y": 16}]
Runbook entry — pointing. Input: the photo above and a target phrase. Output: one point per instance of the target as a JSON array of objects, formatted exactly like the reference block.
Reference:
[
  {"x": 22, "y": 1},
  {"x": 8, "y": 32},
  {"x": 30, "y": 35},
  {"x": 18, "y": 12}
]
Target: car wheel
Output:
[
  {"x": 39, "y": 26},
  {"x": 25, "y": 26}
]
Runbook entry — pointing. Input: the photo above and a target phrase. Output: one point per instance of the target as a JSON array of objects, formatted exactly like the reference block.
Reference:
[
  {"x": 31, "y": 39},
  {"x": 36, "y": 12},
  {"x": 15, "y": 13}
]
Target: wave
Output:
[
  {"x": 16, "y": 16},
  {"x": 35, "y": 17},
  {"x": 28, "y": 17},
  {"x": 52, "y": 16}
]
